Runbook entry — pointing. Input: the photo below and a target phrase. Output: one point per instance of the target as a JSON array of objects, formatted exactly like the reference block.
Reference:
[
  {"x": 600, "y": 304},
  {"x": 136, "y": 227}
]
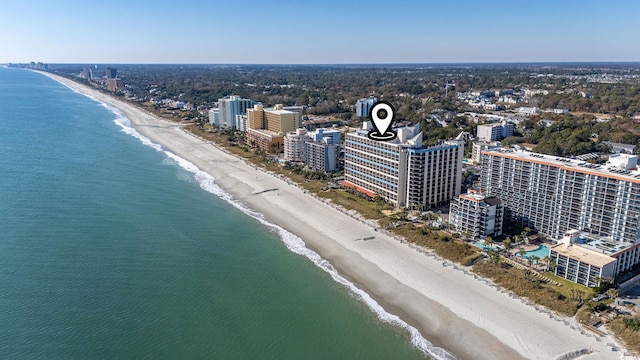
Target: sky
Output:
[{"x": 318, "y": 32}]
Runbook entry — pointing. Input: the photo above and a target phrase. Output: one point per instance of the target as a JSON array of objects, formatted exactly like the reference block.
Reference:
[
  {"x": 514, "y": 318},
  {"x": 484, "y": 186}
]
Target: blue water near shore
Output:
[{"x": 111, "y": 248}]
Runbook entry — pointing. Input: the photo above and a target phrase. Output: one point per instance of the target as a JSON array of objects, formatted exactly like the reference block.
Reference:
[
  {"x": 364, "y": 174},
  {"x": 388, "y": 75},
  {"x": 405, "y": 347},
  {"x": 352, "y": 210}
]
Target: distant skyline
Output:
[{"x": 328, "y": 32}]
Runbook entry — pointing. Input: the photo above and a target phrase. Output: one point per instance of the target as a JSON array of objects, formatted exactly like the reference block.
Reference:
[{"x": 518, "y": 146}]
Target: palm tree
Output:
[
  {"x": 489, "y": 241},
  {"x": 534, "y": 259},
  {"x": 612, "y": 293},
  {"x": 523, "y": 234},
  {"x": 507, "y": 243},
  {"x": 530, "y": 260},
  {"x": 551, "y": 265},
  {"x": 545, "y": 260},
  {"x": 521, "y": 252}
]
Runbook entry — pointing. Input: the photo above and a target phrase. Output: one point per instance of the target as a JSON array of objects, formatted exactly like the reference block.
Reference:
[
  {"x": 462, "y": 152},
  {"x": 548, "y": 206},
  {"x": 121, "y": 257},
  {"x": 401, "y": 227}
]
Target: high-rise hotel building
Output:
[
  {"x": 401, "y": 170},
  {"x": 554, "y": 195}
]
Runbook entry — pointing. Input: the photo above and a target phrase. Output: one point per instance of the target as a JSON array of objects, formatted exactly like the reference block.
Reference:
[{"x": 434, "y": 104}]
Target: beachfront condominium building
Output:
[
  {"x": 275, "y": 119},
  {"x": 402, "y": 171},
  {"x": 494, "y": 132},
  {"x": 294, "y": 145},
  {"x": 321, "y": 156},
  {"x": 110, "y": 73},
  {"x": 231, "y": 106},
  {"x": 554, "y": 194},
  {"x": 241, "y": 122},
  {"x": 214, "y": 117},
  {"x": 477, "y": 215},
  {"x": 115, "y": 85},
  {"x": 364, "y": 105}
]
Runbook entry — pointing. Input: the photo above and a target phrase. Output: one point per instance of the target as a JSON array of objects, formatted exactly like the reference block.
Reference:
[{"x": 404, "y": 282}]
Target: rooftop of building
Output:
[
  {"x": 620, "y": 145},
  {"x": 601, "y": 245},
  {"x": 496, "y": 124},
  {"x": 583, "y": 254},
  {"x": 279, "y": 111},
  {"x": 265, "y": 132},
  {"x": 568, "y": 164},
  {"x": 478, "y": 197}
]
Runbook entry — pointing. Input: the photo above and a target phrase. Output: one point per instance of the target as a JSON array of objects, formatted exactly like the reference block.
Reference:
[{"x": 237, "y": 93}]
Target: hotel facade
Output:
[{"x": 401, "y": 170}]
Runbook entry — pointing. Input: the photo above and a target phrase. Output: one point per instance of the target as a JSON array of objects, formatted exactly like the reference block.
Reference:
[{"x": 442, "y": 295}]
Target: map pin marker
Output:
[{"x": 382, "y": 115}]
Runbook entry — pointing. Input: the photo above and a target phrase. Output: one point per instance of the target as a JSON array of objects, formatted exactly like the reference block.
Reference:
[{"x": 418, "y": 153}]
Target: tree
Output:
[
  {"x": 533, "y": 259},
  {"x": 521, "y": 252},
  {"x": 507, "y": 243},
  {"x": 494, "y": 257},
  {"x": 489, "y": 241},
  {"x": 530, "y": 260},
  {"x": 546, "y": 260},
  {"x": 612, "y": 293}
]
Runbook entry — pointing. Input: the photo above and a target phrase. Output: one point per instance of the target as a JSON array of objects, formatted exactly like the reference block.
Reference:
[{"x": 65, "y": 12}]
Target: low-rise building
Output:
[
  {"x": 494, "y": 132},
  {"x": 586, "y": 259},
  {"x": 477, "y": 215},
  {"x": 621, "y": 148},
  {"x": 528, "y": 110}
]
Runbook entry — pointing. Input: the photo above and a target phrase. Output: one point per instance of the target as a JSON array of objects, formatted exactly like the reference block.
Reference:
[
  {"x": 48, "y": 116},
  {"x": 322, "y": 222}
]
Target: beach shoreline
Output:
[{"x": 450, "y": 307}]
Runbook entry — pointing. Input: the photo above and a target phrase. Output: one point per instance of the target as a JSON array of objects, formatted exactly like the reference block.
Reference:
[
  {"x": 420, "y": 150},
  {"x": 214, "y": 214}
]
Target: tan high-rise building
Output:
[
  {"x": 277, "y": 119},
  {"x": 255, "y": 117},
  {"x": 280, "y": 120}
]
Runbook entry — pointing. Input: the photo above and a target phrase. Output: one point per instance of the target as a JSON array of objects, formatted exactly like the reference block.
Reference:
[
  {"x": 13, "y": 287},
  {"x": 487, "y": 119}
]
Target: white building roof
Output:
[{"x": 567, "y": 164}]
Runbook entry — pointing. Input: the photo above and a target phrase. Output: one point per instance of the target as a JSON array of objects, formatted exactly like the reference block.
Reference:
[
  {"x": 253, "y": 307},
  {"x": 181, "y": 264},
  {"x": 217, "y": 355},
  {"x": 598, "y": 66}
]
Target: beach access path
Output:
[{"x": 452, "y": 308}]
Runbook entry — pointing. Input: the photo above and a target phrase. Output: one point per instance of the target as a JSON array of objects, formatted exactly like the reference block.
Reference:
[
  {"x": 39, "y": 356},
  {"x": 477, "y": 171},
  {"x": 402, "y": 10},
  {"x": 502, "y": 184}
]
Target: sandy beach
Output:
[{"x": 465, "y": 315}]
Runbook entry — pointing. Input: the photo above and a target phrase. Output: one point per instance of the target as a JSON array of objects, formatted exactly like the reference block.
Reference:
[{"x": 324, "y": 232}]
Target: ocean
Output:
[{"x": 111, "y": 247}]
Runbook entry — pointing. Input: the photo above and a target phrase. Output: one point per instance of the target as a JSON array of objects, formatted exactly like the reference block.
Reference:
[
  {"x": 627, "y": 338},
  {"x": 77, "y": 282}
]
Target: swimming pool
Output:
[
  {"x": 483, "y": 246},
  {"x": 540, "y": 252}
]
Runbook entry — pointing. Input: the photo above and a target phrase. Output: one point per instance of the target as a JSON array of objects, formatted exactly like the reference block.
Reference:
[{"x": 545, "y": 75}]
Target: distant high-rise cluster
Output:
[{"x": 107, "y": 77}]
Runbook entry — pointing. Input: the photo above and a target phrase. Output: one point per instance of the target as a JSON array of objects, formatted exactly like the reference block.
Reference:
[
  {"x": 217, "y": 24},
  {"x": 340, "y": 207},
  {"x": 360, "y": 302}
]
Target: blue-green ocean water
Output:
[{"x": 110, "y": 249}]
